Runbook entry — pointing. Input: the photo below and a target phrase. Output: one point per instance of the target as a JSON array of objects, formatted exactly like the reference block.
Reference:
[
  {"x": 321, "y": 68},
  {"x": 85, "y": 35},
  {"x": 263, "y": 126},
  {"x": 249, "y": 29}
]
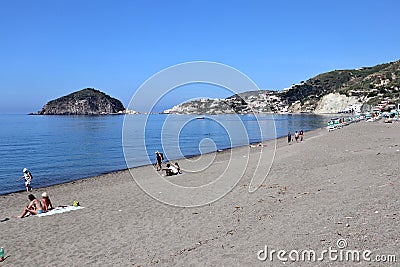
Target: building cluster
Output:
[
  {"x": 264, "y": 102},
  {"x": 282, "y": 102}
]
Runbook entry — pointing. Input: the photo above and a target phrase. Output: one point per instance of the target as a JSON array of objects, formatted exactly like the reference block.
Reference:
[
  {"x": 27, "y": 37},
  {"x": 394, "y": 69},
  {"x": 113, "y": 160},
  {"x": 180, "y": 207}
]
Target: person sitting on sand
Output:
[
  {"x": 178, "y": 168},
  {"x": 46, "y": 203},
  {"x": 170, "y": 170},
  {"x": 34, "y": 207}
]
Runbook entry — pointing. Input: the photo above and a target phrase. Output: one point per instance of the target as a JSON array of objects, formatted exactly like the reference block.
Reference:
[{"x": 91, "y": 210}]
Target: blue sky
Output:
[{"x": 52, "y": 48}]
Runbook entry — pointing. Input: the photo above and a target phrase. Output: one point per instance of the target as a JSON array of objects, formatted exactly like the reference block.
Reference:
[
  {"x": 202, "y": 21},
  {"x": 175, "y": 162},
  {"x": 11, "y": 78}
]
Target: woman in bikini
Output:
[
  {"x": 46, "y": 203},
  {"x": 34, "y": 207}
]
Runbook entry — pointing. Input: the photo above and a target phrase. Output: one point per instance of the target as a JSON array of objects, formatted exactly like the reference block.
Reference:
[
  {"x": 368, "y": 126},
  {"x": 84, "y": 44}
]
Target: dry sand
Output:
[{"x": 342, "y": 184}]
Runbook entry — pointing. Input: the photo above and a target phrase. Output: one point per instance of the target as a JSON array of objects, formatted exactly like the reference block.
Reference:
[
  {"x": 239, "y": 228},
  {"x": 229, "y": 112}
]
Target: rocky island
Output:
[{"x": 88, "y": 101}]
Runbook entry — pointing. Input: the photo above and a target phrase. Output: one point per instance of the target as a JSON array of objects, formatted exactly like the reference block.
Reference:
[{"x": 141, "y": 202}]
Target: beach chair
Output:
[{"x": 336, "y": 123}]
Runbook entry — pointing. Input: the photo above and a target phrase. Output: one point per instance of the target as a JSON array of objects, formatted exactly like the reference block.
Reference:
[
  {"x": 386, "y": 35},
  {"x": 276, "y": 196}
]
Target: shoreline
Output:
[
  {"x": 193, "y": 157},
  {"x": 45, "y": 176}
]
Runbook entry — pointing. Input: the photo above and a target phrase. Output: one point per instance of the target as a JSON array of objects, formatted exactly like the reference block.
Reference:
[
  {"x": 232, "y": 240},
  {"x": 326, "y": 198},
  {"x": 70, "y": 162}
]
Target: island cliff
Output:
[{"x": 84, "y": 102}]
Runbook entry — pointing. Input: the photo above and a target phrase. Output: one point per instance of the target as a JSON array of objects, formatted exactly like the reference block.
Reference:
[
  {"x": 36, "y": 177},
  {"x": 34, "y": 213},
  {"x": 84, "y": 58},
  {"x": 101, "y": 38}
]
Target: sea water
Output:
[{"x": 58, "y": 149}]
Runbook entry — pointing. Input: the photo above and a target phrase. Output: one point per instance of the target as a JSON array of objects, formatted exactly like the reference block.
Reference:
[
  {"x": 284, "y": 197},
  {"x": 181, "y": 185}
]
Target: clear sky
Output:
[{"x": 51, "y": 48}]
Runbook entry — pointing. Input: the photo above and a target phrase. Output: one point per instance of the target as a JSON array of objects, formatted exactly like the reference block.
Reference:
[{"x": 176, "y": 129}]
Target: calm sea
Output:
[{"x": 59, "y": 149}]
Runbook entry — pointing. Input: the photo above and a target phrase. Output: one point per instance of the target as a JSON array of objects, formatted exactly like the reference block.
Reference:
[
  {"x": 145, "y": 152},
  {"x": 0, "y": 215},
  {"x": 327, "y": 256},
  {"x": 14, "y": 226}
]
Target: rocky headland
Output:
[
  {"x": 330, "y": 92},
  {"x": 88, "y": 101}
]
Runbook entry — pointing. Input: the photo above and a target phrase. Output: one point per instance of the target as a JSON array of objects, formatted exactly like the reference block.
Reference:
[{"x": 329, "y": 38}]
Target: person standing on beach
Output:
[
  {"x": 301, "y": 135},
  {"x": 296, "y": 136},
  {"x": 289, "y": 137},
  {"x": 28, "y": 178},
  {"x": 159, "y": 159}
]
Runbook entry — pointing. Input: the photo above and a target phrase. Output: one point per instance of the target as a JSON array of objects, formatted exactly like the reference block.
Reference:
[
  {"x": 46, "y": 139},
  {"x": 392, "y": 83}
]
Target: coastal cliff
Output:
[
  {"x": 330, "y": 92},
  {"x": 84, "y": 102}
]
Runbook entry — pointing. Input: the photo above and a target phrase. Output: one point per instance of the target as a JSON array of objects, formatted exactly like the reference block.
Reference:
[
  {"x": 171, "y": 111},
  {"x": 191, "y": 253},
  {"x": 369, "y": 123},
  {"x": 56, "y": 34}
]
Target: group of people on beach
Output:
[
  {"x": 298, "y": 136},
  {"x": 169, "y": 170},
  {"x": 36, "y": 207}
]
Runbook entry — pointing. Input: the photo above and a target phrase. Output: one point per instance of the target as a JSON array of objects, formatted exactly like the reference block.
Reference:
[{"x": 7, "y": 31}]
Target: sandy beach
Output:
[{"x": 340, "y": 185}]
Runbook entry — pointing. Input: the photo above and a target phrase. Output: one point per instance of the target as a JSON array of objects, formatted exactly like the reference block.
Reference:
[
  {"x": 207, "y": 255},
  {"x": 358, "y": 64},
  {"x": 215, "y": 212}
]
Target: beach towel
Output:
[{"x": 59, "y": 210}]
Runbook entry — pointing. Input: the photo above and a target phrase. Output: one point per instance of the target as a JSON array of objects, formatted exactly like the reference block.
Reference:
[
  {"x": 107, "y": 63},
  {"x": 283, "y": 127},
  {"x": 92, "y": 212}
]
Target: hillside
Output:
[
  {"x": 367, "y": 85},
  {"x": 84, "y": 102},
  {"x": 329, "y": 92}
]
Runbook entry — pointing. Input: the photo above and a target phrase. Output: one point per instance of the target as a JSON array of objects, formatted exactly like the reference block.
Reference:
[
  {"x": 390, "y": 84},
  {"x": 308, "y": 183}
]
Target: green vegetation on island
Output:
[
  {"x": 84, "y": 102},
  {"x": 329, "y": 92},
  {"x": 370, "y": 84}
]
